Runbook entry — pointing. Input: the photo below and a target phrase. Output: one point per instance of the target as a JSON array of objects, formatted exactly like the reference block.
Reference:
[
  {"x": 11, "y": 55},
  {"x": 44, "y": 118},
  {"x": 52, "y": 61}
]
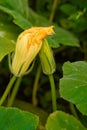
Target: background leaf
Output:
[
  {"x": 15, "y": 119},
  {"x": 8, "y": 36},
  {"x": 62, "y": 121},
  {"x": 62, "y": 37},
  {"x": 18, "y": 9},
  {"x": 68, "y": 9},
  {"x": 15, "y": 9},
  {"x": 44, "y": 7},
  {"x": 31, "y": 108},
  {"x": 73, "y": 85}
]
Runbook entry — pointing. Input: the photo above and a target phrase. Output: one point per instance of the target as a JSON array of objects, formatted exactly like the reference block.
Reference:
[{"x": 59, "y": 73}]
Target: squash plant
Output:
[{"x": 15, "y": 17}]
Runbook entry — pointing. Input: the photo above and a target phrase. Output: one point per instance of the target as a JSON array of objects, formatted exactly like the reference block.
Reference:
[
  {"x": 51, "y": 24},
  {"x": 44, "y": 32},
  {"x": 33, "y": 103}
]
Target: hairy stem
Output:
[
  {"x": 14, "y": 92},
  {"x": 73, "y": 110},
  {"x": 9, "y": 86},
  {"x": 55, "y": 5},
  {"x": 35, "y": 87},
  {"x": 53, "y": 91}
]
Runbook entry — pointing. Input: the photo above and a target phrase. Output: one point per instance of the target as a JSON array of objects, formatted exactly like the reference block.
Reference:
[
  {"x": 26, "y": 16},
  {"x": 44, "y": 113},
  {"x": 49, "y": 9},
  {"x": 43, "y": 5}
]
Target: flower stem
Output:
[
  {"x": 53, "y": 91},
  {"x": 14, "y": 92},
  {"x": 55, "y": 5},
  {"x": 9, "y": 86},
  {"x": 73, "y": 110},
  {"x": 35, "y": 87}
]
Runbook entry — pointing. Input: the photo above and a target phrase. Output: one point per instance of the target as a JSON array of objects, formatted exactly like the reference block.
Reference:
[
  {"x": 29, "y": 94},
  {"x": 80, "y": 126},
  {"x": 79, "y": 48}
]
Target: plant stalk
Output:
[
  {"x": 53, "y": 91},
  {"x": 9, "y": 86},
  {"x": 35, "y": 87},
  {"x": 14, "y": 92},
  {"x": 73, "y": 110},
  {"x": 55, "y": 4}
]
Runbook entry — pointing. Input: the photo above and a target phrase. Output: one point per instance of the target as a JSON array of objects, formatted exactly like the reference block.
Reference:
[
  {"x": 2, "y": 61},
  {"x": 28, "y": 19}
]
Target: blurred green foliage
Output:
[{"x": 69, "y": 42}]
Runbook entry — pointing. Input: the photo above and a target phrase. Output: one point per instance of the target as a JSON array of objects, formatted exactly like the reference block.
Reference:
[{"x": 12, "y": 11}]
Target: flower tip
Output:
[{"x": 51, "y": 30}]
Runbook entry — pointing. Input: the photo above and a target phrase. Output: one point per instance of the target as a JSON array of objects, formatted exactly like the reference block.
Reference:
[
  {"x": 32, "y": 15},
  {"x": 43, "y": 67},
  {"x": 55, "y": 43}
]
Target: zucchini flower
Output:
[{"x": 28, "y": 45}]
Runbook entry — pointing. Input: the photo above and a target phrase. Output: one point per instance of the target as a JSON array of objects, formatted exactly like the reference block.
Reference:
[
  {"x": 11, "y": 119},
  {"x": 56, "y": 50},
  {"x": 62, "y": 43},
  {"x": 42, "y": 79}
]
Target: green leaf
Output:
[
  {"x": 62, "y": 121},
  {"x": 15, "y": 119},
  {"x": 18, "y": 9},
  {"x": 44, "y": 7},
  {"x": 8, "y": 36},
  {"x": 73, "y": 85},
  {"x": 83, "y": 119},
  {"x": 14, "y": 8},
  {"x": 63, "y": 37},
  {"x": 68, "y": 9}
]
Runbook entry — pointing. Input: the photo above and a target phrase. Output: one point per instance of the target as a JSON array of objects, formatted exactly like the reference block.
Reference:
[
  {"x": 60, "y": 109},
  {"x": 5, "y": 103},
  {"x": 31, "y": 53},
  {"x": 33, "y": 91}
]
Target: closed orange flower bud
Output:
[{"x": 28, "y": 45}]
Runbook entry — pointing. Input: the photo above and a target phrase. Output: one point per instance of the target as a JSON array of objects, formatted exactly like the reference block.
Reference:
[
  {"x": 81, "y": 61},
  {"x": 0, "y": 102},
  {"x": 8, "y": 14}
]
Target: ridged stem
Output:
[
  {"x": 14, "y": 92},
  {"x": 53, "y": 91},
  {"x": 9, "y": 86}
]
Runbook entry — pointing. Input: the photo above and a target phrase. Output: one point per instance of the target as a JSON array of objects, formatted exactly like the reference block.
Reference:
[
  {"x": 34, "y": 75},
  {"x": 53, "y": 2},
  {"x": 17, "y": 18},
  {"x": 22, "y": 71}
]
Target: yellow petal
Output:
[{"x": 28, "y": 45}]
